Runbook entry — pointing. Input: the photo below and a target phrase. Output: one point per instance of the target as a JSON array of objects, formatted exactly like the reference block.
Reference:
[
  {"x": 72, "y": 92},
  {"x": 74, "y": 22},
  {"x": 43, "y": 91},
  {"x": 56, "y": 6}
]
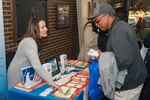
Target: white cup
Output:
[
  {"x": 63, "y": 61},
  {"x": 48, "y": 68}
]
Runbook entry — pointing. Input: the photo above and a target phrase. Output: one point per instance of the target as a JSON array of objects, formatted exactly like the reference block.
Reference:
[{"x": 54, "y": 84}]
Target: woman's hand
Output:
[{"x": 56, "y": 87}]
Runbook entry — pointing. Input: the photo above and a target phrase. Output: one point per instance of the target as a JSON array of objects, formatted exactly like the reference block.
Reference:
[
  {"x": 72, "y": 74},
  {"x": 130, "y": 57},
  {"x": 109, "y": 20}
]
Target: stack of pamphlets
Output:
[{"x": 31, "y": 80}]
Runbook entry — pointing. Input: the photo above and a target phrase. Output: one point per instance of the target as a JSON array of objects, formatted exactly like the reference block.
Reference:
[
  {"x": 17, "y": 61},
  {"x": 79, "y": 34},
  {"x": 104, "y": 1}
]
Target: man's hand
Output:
[
  {"x": 95, "y": 54},
  {"x": 99, "y": 54},
  {"x": 92, "y": 53}
]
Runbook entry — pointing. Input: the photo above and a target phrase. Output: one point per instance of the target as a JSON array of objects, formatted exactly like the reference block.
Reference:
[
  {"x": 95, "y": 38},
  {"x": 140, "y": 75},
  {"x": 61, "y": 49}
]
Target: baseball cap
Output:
[{"x": 103, "y": 8}]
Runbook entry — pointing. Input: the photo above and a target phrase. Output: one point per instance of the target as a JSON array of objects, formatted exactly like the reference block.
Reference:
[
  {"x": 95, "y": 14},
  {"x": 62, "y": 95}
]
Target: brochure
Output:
[
  {"x": 30, "y": 77},
  {"x": 21, "y": 86},
  {"x": 31, "y": 80},
  {"x": 81, "y": 64},
  {"x": 68, "y": 92}
]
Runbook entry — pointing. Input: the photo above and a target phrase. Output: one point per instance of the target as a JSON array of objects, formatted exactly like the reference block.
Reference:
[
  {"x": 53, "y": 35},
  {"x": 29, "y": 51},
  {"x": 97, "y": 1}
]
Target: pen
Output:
[
  {"x": 67, "y": 92},
  {"x": 75, "y": 86},
  {"x": 56, "y": 79},
  {"x": 82, "y": 64}
]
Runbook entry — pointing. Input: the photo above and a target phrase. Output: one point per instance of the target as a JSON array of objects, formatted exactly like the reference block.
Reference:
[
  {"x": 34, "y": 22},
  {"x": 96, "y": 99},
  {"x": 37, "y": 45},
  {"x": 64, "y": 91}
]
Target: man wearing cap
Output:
[{"x": 122, "y": 42}]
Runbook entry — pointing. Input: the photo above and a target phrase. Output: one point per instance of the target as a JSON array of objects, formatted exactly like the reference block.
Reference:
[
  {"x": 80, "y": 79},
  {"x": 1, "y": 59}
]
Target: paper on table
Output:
[
  {"x": 81, "y": 64},
  {"x": 46, "y": 91},
  {"x": 83, "y": 75},
  {"x": 74, "y": 85},
  {"x": 86, "y": 70},
  {"x": 21, "y": 86},
  {"x": 79, "y": 78},
  {"x": 78, "y": 82},
  {"x": 64, "y": 78},
  {"x": 67, "y": 92},
  {"x": 73, "y": 62}
]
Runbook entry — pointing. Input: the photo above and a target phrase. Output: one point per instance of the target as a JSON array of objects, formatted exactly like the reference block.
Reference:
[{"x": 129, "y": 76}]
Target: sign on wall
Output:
[{"x": 23, "y": 11}]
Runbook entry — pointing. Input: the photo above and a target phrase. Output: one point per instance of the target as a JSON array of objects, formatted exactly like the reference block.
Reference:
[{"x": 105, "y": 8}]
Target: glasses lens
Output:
[{"x": 96, "y": 21}]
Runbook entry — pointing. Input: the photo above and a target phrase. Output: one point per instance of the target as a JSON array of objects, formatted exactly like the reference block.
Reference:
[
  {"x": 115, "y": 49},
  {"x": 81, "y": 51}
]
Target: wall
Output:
[
  {"x": 2, "y": 58},
  {"x": 58, "y": 41},
  {"x": 82, "y": 9}
]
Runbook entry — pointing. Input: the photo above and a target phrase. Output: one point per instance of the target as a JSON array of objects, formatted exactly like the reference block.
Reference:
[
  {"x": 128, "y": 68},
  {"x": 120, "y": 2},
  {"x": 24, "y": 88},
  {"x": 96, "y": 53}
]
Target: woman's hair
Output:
[{"x": 33, "y": 29}]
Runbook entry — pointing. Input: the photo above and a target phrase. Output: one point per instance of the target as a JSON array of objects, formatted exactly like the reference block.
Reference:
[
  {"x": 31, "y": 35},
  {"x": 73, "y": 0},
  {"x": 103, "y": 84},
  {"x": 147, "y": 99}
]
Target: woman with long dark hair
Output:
[{"x": 27, "y": 54}]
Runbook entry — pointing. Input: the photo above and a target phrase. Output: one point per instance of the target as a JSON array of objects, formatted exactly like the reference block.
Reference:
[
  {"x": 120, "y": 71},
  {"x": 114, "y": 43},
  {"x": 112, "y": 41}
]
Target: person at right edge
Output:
[{"x": 122, "y": 42}]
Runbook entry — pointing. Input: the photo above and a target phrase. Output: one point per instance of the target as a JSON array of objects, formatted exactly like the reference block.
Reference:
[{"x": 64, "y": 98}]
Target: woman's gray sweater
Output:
[{"x": 26, "y": 55}]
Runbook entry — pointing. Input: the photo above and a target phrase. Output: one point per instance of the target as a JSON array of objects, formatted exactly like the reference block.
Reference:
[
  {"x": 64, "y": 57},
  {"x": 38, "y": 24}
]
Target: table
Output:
[{"x": 15, "y": 94}]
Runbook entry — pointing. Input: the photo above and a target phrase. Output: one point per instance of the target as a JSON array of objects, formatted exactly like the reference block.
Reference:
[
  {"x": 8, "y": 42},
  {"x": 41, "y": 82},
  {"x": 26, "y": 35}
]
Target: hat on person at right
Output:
[{"x": 103, "y": 8}]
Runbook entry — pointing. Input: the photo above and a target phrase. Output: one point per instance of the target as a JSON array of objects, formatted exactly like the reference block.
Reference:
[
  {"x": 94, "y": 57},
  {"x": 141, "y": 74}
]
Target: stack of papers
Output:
[
  {"x": 31, "y": 80},
  {"x": 68, "y": 92},
  {"x": 21, "y": 86}
]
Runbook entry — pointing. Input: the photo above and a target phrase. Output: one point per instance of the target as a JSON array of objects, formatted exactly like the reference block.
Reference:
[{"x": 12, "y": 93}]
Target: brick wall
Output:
[{"x": 58, "y": 41}]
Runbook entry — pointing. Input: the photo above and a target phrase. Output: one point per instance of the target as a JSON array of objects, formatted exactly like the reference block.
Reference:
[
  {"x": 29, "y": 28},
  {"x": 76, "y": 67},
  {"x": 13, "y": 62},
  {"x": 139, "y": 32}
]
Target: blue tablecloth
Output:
[{"x": 16, "y": 94}]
